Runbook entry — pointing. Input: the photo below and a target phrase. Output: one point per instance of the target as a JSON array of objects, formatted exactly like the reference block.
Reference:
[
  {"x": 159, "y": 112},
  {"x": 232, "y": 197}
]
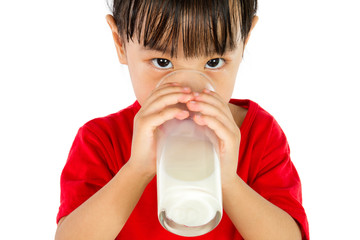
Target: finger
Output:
[
  {"x": 166, "y": 94},
  {"x": 205, "y": 108},
  {"x": 230, "y": 136},
  {"x": 214, "y": 99},
  {"x": 210, "y": 96},
  {"x": 154, "y": 120},
  {"x": 166, "y": 89},
  {"x": 165, "y": 101}
]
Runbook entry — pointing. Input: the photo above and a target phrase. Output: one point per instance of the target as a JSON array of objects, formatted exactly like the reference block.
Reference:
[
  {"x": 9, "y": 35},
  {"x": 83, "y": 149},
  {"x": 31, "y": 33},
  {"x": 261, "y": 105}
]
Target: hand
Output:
[
  {"x": 157, "y": 109},
  {"x": 215, "y": 113}
]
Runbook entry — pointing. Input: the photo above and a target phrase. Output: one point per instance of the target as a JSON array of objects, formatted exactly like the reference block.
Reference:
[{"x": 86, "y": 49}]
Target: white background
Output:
[{"x": 59, "y": 69}]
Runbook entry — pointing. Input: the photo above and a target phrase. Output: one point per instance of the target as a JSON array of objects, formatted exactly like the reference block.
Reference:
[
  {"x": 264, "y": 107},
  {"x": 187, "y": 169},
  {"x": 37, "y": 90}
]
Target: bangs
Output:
[{"x": 203, "y": 27}]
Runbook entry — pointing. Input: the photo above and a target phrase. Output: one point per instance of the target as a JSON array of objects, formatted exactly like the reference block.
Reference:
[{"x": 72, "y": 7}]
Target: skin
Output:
[{"x": 104, "y": 214}]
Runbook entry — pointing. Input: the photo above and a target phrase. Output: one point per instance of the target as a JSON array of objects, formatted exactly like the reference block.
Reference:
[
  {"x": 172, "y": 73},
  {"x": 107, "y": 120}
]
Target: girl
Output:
[{"x": 108, "y": 188}]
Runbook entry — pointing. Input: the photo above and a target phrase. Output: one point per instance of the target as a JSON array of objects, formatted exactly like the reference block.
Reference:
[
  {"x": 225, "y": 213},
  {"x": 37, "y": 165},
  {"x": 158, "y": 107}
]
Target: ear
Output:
[
  {"x": 254, "y": 22},
  {"x": 119, "y": 44}
]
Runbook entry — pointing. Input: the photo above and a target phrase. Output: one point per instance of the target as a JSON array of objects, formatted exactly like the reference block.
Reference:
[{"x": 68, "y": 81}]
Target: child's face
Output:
[{"x": 148, "y": 66}]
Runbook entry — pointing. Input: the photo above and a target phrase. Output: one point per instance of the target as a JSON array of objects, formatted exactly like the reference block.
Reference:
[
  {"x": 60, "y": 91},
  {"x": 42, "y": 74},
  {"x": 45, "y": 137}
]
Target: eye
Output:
[
  {"x": 215, "y": 63},
  {"x": 162, "y": 63}
]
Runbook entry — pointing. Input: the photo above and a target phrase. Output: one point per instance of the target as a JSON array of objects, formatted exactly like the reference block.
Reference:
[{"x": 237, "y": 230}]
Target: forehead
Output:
[{"x": 180, "y": 52}]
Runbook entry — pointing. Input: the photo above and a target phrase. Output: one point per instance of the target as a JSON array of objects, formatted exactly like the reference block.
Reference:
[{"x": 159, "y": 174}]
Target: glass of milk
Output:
[{"x": 188, "y": 168}]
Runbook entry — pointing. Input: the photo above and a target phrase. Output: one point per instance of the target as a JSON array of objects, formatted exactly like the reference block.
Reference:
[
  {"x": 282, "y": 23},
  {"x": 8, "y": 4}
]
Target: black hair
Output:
[{"x": 206, "y": 26}]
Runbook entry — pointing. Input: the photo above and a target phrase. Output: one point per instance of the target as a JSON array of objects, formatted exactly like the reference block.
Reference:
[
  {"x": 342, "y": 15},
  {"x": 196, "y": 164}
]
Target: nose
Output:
[{"x": 196, "y": 80}]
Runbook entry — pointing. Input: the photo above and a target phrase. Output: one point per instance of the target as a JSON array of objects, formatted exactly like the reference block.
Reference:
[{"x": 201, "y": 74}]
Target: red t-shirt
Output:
[{"x": 102, "y": 146}]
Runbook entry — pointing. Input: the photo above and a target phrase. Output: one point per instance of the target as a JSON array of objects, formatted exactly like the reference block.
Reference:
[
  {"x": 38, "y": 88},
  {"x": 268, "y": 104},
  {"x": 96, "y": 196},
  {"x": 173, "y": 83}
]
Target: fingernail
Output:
[
  {"x": 206, "y": 90},
  {"x": 198, "y": 118},
  {"x": 186, "y": 89},
  {"x": 182, "y": 114},
  {"x": 196, "y": 94}
]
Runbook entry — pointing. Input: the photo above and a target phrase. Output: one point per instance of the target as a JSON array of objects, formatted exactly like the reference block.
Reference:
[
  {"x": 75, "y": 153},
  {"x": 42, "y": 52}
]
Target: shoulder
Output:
[
  {"x": 256, "y": 118},
  {"x": 105, "y": 140},
  {"x": 114, "y": 122},
  {"x": 260, "y": 131}
]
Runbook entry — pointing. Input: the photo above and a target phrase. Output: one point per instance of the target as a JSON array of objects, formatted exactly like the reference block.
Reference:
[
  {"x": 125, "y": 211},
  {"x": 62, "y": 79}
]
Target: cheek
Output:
[
  {"x": 224, "y": 85},
  {"x": 226, "y": 91},
  {"x": 144, "y": 80},
  {"x": 140, "y": 83}
]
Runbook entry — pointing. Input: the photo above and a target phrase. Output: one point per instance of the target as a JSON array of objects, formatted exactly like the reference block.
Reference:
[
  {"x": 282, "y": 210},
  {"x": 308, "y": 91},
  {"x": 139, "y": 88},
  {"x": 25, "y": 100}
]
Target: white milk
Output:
[{"x": 188, "y": 178}]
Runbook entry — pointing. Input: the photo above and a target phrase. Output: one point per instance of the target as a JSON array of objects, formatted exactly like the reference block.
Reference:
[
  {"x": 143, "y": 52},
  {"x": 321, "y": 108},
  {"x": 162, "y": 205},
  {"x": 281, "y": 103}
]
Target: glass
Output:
[{"x": 188, "y": 168}]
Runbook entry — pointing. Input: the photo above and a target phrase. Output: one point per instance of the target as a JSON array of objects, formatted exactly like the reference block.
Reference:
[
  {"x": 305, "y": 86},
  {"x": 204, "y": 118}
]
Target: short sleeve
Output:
[
  {"x": 85, "y": 171},
  {"x": 277, "y": 179}
]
